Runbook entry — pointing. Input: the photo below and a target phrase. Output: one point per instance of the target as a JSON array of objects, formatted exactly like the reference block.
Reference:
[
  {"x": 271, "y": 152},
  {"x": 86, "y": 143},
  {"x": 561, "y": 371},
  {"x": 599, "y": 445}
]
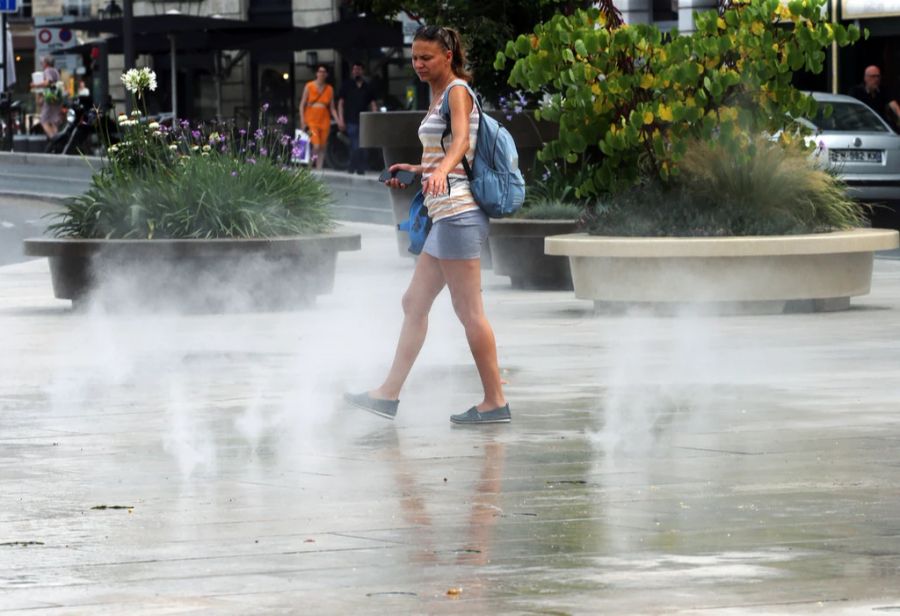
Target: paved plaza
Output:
[{"x": 166, "y": 463}]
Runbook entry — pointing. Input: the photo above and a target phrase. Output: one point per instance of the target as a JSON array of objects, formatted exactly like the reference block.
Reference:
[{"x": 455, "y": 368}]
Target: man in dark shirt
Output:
[
  {"x": 355, "y": 97},
  {"x": 879, "y": 99}
]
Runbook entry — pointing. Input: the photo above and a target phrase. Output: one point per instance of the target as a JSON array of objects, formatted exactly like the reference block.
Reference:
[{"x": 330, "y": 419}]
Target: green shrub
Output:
[
  {"x": 628, "y": 101},
  {"x": 197, "y": 181},
  {"x": 202, "y": 197},
  {"x": 550, "y": 195},
  {"x": 774, "y": 190}
]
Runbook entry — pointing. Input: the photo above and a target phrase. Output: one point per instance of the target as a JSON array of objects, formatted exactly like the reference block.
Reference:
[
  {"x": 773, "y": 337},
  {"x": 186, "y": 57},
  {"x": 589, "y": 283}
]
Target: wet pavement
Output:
[{"x": 166, "y": 463}]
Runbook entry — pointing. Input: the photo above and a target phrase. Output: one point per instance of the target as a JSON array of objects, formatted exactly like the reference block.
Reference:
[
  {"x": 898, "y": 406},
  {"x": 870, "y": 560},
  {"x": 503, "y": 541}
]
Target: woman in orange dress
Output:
[{"x": 316, "y": 111}]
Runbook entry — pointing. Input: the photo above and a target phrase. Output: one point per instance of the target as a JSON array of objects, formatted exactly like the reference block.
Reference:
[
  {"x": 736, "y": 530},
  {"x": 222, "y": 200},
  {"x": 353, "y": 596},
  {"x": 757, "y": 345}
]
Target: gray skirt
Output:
[{"x": 458, "y": 237}]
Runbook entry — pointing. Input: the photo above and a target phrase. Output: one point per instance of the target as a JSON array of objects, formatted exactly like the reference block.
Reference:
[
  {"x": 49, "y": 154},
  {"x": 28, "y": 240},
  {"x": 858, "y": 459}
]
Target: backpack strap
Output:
[{"x": 445, "y": 113}]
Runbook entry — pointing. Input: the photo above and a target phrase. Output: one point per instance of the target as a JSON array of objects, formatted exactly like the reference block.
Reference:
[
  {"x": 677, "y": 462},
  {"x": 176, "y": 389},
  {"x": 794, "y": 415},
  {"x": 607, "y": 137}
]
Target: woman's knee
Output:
[
  {"x": 414, "y": 305},
  {"x": 468, "y": 314}
]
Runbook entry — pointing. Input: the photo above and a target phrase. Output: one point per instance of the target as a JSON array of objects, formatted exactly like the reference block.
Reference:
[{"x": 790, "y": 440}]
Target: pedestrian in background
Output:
[
  {"x": 452, "y": 253},
  {"x": 879, "y": 98},
  {"x": 355, "y": 97},
  {"x": 48, "y": 97},
  {"x": 316, "y": 112}
]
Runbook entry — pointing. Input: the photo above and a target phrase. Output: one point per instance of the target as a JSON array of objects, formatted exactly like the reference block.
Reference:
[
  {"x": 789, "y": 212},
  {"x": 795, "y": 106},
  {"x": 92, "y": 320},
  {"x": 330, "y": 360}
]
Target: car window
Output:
[{"x": 849, "y": 117}]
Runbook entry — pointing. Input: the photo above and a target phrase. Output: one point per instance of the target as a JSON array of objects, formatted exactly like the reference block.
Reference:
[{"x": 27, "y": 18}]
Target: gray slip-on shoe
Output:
[
  {"x": 472, "y": 416},
  {"x": 382, "y": 408}
]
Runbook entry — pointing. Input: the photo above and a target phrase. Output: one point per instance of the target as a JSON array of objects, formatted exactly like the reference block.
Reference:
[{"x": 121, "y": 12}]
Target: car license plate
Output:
[{"x": 856, "y": 156}]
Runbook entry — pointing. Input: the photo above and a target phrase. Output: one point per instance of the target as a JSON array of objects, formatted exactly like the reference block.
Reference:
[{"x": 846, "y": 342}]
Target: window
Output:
[
  {"x": 24, "y": 11},
  {"x": 849, "y": 117},
  {"x": 77, "y": 8},
  {"x": 665, "y": 10}
]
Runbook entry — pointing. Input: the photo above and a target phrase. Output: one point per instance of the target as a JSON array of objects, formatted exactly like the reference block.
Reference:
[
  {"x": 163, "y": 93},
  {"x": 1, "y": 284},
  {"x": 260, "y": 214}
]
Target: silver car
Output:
[{"x": 859, "y": 145}]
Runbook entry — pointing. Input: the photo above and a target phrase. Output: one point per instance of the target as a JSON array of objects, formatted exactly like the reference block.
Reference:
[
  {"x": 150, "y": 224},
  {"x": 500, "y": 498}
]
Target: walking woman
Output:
[
  {"x": 316, "y": 111},
  {"x": 452, "y": 252}
]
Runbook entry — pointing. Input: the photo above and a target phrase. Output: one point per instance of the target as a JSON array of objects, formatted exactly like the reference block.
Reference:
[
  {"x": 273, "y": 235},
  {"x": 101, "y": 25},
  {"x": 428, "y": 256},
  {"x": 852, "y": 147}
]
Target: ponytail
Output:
[{"x": 451, "y": 41}]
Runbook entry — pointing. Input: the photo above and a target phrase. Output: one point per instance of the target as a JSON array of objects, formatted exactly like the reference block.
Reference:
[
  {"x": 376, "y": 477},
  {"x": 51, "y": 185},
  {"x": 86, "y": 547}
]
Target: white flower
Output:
[
  {"x": 113, "y": 149},
  {"x": 194, "y": 148},
  {"x": 122, "y": 118},
  {"x": 157, "y": 133},
  {"x": 135, "y": 113},
  {"x": 173, "y": 147},
  {"x": 206, "y": 148},
  {"x": 153, "y": 125},
  {"x": 137, "y": 80}
]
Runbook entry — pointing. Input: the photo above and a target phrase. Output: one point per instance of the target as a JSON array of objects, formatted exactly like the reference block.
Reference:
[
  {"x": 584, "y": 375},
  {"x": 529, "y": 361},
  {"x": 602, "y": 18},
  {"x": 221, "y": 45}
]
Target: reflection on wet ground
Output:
[{"x": 745, "y": 465}]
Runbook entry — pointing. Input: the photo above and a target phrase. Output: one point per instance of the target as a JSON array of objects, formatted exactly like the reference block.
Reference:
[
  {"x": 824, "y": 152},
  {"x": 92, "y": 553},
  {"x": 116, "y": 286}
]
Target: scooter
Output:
[{"x": 83, "y": 121}]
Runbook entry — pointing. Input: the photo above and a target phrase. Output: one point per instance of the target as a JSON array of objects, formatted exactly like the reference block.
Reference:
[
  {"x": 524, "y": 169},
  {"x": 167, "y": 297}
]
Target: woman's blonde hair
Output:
[{"x": 449, "y": 39}]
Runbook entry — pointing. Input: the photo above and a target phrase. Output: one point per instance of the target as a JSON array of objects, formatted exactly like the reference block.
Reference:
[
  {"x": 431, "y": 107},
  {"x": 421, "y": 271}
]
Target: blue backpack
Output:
[
  {"x": 494, "y": 178},
  {"x": 418, "y": 225}
]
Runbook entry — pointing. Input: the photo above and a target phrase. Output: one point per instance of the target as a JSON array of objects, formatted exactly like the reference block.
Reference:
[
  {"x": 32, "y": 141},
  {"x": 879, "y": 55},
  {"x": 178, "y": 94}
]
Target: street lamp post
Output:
[{"x": 128, "y": 41}]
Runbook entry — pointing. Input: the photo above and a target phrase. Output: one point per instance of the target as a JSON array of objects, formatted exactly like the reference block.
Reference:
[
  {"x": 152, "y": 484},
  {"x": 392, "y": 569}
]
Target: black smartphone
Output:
[{"x": 405, "y": 177}]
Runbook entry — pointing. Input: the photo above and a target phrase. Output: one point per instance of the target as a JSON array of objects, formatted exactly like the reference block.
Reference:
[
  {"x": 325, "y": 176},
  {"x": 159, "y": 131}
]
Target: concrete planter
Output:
[
  {"x": 397, "y": 134},
  {"x": 213, "y": 274},
  {"x": 517, "y": 249},
  {"x": 758, "y": 274}
]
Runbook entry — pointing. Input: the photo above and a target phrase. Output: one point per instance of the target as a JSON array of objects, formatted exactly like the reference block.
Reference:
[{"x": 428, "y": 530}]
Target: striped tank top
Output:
[{"x": 431, "y": 129}]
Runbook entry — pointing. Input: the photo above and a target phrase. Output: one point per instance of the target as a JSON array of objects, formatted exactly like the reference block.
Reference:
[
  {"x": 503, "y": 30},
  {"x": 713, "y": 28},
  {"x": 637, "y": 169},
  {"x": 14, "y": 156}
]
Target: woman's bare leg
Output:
[
  {"x": 463, "y": 277},
  {"x": 320, "y": 156},
  {"x": 426, "y": 283},
  {"x": 50, "y": 129}
]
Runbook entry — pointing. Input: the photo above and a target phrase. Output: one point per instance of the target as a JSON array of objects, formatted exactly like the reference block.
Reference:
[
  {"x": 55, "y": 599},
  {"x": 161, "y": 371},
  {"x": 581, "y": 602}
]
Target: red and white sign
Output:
[{"x": 51, "y": 34}]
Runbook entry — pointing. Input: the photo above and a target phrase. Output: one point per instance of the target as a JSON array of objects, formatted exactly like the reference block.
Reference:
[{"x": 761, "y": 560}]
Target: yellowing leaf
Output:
[
  {"x": 756, "y": 28},
  {"x": 665, "y": 113},
  {"x": 648, "y": 117},
  {"x": 720, "y": 23},
  {"x": 647, "y": 81}
]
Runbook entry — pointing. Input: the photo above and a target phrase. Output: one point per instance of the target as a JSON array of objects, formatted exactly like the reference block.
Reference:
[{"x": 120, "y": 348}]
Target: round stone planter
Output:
[
  {"x": 200, "y": 275},
  {"x": 397, "y": 134},
  {"x": 746, "y": 274},
  {"x": 517, "y": 250}
]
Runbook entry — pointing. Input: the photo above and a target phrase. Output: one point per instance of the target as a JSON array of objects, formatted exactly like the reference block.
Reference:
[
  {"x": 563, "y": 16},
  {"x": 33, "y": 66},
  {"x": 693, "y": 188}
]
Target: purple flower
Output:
[
  {"x": 259, "y": 133},
  {"x": 185, "y": 124},
  {"x": 518, "y": 109},
  {"x": 251, "y": 161},
  {"x": 282, "y": 120},
  {"x": 298, "y": 151},
  {"x": 285, "y": 139},
  {"x": 195, "y": 134},
  {"x": 263, "y": 151},
  {"x": 521, "y": 98},
  {"x": 265, "y": 107},
  {"x": 234, "y": 174},
  {"x": 508, "y": 117},
  {"x": 242, "y": 132}
]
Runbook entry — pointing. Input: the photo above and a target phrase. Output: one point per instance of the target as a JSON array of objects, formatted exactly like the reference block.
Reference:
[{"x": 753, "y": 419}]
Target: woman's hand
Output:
[
  {"x": 436, "y": 184},
  {"x": 394, "y": 182}
]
